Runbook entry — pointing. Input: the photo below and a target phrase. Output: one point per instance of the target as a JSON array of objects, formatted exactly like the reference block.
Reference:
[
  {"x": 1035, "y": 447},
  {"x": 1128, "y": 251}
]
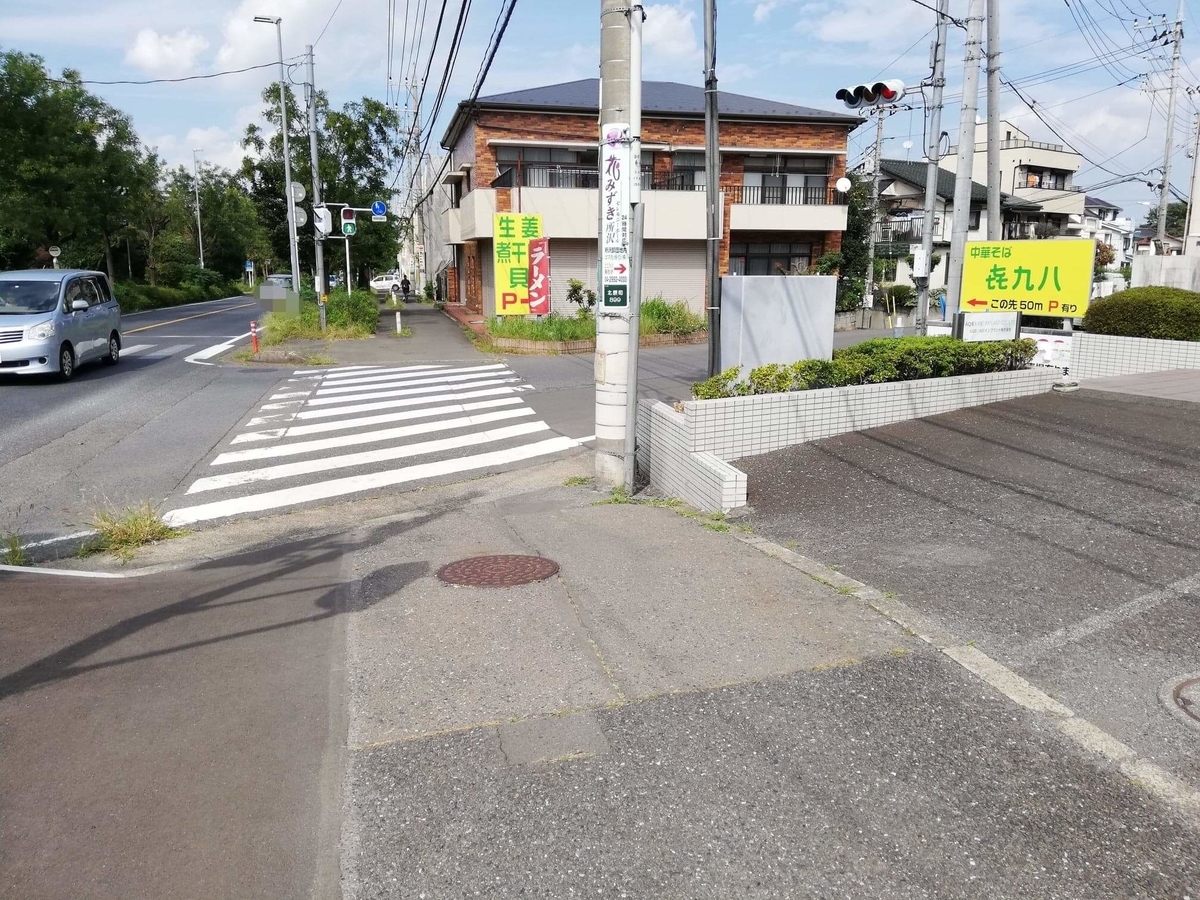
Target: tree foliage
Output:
[{"x": 1176, "y": 218}]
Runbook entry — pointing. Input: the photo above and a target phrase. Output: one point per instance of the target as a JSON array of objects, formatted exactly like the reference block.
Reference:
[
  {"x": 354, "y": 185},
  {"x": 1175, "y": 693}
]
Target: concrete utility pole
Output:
[
  {"x": 1191, "y": 240},
  {"x": 287, "y": 158},
  {"x": 196, "y": 184},
  {"x": 318, "y": 239},
  {"x": 712, "y": 188},
  {"x": 638, "y": 226},
  {"x": 612, "y": 320},
  {"x": 966, "y": 156},
  {"x": 994, "y": 227},
  {"x": 876, "y": 157},
  {"x": 1165, "y": 198},
  {"x": 933, "y": 154}
]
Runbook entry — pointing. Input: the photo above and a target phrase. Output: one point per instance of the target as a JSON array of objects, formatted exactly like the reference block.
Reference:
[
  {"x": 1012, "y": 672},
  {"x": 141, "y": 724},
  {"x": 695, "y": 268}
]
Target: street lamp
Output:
[
  {"x": 287, "y": 163},
  {"x": 196, "y": 185}
]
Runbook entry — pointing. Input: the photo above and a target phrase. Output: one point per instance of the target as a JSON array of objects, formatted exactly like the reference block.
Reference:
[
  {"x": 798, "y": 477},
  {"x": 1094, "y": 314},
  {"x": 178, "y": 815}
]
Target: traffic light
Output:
[
  {"x": 322, "y": 221},
  {"x": 349, "y": 226},
  {"x": 877, "y": 93}
]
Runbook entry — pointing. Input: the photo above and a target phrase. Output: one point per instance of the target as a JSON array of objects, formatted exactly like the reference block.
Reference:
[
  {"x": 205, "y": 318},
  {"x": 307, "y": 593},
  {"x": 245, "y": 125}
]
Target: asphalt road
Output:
[
  {"x": 127, "y": 434},
  {"x": 1059, "y": 532},
  {"x": 175, "y": 735}
]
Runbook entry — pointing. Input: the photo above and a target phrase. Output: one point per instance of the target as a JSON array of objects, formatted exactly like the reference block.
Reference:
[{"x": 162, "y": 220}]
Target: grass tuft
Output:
[
  {"x": 14, "y": 552},
  {"x": 578, "y": 480},
  {"x": 121, "y": 533}
]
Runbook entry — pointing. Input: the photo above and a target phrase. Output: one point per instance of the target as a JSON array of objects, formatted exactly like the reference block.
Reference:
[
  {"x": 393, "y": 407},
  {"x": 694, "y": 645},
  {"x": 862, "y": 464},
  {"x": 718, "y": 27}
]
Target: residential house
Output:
[
  {"x": 1036, "y": 172},
  {"x": 432, "y": 250},
  {"x": 1101, "y": 222},
  {"x": 1145, "y": 243},
  {"x": 902, "y": 224},
  {"x": 535, "y": 151}
]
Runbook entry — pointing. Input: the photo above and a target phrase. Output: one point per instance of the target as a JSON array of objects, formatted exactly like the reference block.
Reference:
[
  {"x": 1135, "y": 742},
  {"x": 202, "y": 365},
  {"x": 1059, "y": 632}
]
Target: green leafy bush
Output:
[
  {"x": 658, "y": 316},
  {"x": 902, "y": 296},
  {"x": 584, "y": 299},
  {"x": 359, "y": 310},
  {"x": 134, "y": 297},
  {"x": 1147, "y": 312},
  {"x": 875, "y": 362}
]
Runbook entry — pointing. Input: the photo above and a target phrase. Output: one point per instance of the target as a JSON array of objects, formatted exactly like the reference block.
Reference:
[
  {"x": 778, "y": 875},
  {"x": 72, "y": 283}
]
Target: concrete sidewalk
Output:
[{"x": 678, "y": 715}]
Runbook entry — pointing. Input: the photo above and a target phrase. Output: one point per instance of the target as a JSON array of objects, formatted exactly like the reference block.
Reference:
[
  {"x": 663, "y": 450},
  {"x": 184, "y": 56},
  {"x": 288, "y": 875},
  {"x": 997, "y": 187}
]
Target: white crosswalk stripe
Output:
[
  {"x": 423, "y": 422},
  {"x": 168, "y": 351}
]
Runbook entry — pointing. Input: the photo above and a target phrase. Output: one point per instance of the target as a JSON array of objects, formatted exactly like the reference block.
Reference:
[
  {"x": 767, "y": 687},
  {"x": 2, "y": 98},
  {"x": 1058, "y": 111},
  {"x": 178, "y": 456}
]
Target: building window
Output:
[
  {"x": 770, "y": 258},
  {"x": 546, "y": 167},
  {"x": 687, "y": 172},
  {"x": 975, "y": 219},
  {"x": 1046, "y": 179},
  {"x": 775, "y": 179}
]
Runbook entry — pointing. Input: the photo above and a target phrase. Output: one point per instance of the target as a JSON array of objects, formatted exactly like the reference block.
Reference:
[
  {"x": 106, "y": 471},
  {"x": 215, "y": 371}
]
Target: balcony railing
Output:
[
  {"x": 758, "y": 195},
  {"x": 906, "y": 231},
  {"x": 586, "y": 177}
]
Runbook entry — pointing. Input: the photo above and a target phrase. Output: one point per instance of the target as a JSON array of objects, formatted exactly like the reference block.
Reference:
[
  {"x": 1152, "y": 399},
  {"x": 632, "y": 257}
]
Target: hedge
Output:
[
  {"x": 874, "y": 362},
  {"x": 1147, "y": 312},
  {"x": 134, "y": 297}
]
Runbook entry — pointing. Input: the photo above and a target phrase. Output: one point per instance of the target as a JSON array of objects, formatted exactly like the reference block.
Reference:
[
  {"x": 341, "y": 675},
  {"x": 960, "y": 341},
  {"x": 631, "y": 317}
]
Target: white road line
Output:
[
  {"x": 215, "y": 350},
  {"x": 321, "y": 427},
  {"x": 70, "y": 573},
  {"x": 271, "y": 417},
  {"x": 370, "y": 437},
  {"x": 332, "y": 371},
  {"x": 391, "y": 384},
  {"x": 136, "y": 348},
  {"x": 1042, "y": 646},
  {"x": 359, "y": 371},
  {"x": 369, "y": 457},
  {"x": 168, "y": 351},
  {"x": 400, "y": 377},
  {"x": 354, "y": 484},
  {"x": 410, "y": 392},
  {"x": 289, "y": 395},
  {"x": 432, "y": 384},
  {"x": 396, "y": 404},
  {"x": 284, "y": 404}
]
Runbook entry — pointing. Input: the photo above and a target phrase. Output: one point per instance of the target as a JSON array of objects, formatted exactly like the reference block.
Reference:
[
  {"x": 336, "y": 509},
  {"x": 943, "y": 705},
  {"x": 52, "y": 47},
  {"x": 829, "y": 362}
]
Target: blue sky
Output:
[{"x": 794, "y": 50}]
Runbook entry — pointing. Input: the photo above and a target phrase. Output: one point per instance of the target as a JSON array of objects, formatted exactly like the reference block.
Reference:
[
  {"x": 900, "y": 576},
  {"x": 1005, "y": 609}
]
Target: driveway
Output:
[{"x": 1059, "y": 532}]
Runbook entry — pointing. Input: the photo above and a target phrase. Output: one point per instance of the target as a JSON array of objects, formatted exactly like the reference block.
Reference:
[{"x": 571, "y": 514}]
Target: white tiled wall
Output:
[
  {"x": 1103, "y": 355},
  {"x": 685, "y": 454},
  {"x": 702, "y": 480}
]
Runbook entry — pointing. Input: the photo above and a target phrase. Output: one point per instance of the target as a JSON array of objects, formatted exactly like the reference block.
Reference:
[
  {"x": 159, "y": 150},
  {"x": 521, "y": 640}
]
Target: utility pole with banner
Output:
[
  {"x": 963, "y": 174},
  {"x": 923, "y": 260},
  {"x": 619, "y": 241}
]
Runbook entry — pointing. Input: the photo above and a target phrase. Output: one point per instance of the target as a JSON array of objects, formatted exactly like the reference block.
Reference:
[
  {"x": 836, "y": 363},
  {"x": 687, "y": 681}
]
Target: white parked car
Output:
[{"x": 390, "y": 282}]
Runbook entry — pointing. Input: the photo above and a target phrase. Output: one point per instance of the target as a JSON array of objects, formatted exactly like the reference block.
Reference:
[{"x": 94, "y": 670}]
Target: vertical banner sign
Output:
[
  {"x": 510, "y": 247},
  {"x": 539, "y": 276},
  {"x": 616, "y": 169}
]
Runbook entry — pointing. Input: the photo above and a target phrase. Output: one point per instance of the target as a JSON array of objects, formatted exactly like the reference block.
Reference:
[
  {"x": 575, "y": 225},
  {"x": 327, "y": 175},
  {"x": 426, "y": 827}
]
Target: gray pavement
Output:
[
  {"x": 1059, "y": 532},
  {"x": 1176, "y": 384},
  {"x": 674, "y": 715},
  {"x": 126, "y": 434}
]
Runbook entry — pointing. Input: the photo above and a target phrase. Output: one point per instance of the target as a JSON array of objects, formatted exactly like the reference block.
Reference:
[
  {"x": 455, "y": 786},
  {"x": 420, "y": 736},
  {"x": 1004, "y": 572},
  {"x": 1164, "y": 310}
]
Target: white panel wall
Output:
[{"x": 570, "y": 259}]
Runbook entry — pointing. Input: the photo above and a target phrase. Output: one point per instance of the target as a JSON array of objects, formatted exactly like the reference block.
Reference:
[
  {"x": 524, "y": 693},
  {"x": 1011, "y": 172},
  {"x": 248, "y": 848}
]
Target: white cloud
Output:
[
  {"x": 763, "y": 10},
  {"x": 669, "y": 41},
  {"x": 166, "y": 54}
]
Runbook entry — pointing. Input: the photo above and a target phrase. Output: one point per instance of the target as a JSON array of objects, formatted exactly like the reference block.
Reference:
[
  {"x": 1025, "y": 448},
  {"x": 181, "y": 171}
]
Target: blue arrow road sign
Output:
[{"x": 379, "y": 208}]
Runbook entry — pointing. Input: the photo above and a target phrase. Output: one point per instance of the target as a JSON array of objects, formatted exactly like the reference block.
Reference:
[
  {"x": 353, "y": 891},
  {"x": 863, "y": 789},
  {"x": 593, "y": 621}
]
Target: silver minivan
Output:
[{"x": 54, "y": 320}]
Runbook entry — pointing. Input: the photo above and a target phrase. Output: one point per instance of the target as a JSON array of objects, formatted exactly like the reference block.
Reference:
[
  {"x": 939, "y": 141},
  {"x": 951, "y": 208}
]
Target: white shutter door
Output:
[
  {"x": 674, "y": 270},
  {"x": 570, "y": 259}
]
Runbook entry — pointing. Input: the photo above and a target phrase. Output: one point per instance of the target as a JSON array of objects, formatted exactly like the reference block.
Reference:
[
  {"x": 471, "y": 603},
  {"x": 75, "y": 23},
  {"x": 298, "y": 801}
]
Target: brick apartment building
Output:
[{"x": 535, "y": 151}]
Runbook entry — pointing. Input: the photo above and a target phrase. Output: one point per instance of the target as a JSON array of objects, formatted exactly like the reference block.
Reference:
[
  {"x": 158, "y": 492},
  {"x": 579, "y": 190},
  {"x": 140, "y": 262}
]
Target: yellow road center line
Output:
[{"x": 186, "y": 318}]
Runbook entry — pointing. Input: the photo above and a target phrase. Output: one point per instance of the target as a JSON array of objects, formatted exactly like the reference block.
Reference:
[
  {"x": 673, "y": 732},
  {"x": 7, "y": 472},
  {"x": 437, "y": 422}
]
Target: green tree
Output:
[
  {"x": 855, "y": 239},
  {"x": 358, "y": 152},
  {"x": 1176, "y": 218}
]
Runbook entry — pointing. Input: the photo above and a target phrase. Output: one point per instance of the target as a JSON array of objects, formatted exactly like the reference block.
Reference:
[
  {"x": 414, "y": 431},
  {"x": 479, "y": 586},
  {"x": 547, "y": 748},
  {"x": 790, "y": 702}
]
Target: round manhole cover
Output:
[
  {"x": 497, "y": 571},
  {"x": 1181, "y": 697}
]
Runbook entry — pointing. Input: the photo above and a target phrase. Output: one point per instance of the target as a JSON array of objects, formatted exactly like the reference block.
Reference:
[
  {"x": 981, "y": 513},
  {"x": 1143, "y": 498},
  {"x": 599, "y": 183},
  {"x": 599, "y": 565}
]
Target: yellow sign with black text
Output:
[
  {"x": 510, "y": 253},
  {"x": 1037, "y": 278}
]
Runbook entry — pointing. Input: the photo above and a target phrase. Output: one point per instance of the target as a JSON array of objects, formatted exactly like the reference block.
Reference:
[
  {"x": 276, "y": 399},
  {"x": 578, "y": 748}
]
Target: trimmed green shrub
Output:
[
  {"x": 1148, "y": 312},
  {"x": 902, "y": 296},
  {"x": 875, "y": 362},
  {"x": 135, "y": 297}
]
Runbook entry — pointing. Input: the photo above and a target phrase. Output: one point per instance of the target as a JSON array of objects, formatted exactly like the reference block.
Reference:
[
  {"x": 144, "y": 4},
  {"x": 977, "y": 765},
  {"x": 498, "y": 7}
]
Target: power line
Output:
[
  {"x": 269, "y": 65},
  {"x": 958, "y": 23},
  {"x": 327, "y": 24}
]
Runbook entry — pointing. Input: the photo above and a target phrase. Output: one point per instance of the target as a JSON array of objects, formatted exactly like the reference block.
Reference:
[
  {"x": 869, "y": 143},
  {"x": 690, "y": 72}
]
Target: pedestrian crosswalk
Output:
[
  {"x": 154, "y": 351},
  {"x": 325, "y": 434}
]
